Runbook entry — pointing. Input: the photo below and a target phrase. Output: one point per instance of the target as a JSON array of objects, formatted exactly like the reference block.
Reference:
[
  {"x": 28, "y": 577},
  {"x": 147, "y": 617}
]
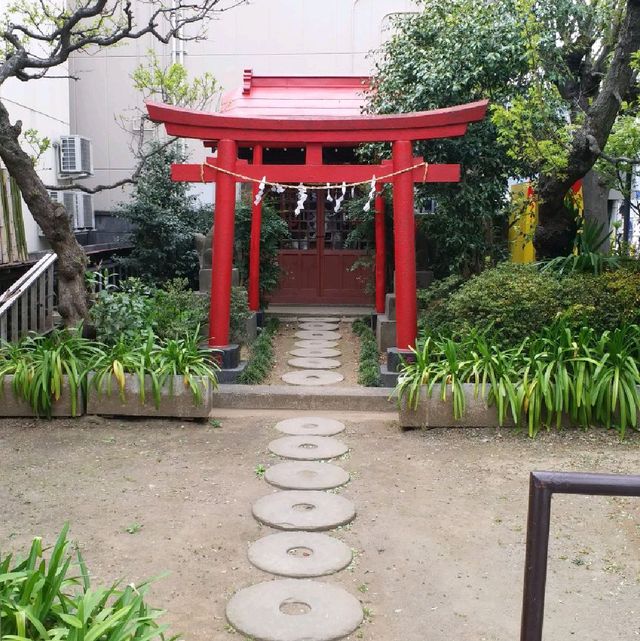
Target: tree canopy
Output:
[{"x": 558, "y": 74}]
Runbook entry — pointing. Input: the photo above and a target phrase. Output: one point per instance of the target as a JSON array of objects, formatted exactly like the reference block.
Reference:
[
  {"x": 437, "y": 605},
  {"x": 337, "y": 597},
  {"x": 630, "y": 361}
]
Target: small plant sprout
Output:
[
  {"x": 134, "y": 528},
  {"x": 363, "y": 587},
  {"x": 260, "y": 470},
  {"x": 215, "y": 423}
]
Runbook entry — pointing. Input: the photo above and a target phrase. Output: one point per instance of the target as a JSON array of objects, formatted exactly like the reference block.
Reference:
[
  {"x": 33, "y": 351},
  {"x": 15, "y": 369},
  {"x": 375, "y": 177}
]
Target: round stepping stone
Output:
[
  {"x": 308, "y": 448},
  {"x": 316, "y": 352},
  {"x": 294, "y": 610},
  {"x": 320, "y": 319},
  {"x": 306, "y": 475},
  {"x": 314, "y": 363},
  {"x": 317, "y": 335},
  {"x": 319, "y": 326},
  {"x": 300, "y": 554},
  {"x": 303, "y": 510},
  {"x": 316, "y": 344},
  {"x": 316, "y": 425},
  {"x": 312, "y": 377}
]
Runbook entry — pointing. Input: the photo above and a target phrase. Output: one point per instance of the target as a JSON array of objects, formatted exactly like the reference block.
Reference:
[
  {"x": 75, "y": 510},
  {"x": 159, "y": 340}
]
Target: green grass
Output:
[
  {"x": 261, "y": 358},
  {"x": 369, "y": 365}
]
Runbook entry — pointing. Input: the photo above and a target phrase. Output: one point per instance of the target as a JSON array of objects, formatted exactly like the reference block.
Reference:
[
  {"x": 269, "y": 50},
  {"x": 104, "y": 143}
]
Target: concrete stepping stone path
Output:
[
  {"x": 320, "y": 319},
  {"x": 319, "y": 327},
  {"x": 314, "y": 363},
  {"x": 315, "y": 352},
  {"x": 316, "y": 344},
  {"x": 309, "y": 511},
  {"x": 297, "y": 608},
  {"x": 312, "y": 377},
  {"x": 306, "y": 475},
  {"x": 315, "y": 425},
  {"x": 308, "y": 447},
  {"x": 300, "y": 554},
  {"x": 318, "y": 335},
  {"x": 294, "y": 610}
]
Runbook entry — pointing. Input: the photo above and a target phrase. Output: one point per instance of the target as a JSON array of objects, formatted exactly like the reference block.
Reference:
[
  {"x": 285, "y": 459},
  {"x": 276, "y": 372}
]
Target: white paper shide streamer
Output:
[
  {"x": 260, "y": 195},
  {"x": 340, "y": 198},
  {"x": 302, "y": 197},
  {"x": 372, "y": 194}
]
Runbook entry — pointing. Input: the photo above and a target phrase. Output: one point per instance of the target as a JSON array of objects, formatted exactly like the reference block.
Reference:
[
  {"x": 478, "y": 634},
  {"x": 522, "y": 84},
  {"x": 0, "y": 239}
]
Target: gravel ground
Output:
[{"x": 439, "y": 535}]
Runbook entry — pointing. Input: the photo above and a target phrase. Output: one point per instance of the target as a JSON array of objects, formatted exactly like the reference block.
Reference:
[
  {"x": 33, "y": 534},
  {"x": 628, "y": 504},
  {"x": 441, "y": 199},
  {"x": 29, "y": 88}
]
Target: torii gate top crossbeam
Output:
[{"x": 421, "y": 125}]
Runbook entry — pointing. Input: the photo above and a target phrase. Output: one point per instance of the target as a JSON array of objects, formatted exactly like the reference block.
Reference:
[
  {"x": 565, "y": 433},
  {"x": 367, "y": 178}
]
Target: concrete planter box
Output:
[
  {"x": 433, "y": 412},
  {"x": 12, "y": 406},
  {"x": 177, "y": 402}
]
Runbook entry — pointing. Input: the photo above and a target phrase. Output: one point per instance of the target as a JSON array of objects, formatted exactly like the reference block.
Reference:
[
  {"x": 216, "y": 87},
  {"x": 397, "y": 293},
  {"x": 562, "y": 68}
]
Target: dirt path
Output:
[
  {"x": 439, "y": 533},
  {"x": 284, "y": 341}
]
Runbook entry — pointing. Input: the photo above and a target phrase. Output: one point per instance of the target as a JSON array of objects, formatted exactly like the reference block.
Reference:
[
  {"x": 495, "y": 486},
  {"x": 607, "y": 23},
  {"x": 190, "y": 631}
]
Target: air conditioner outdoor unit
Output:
[
  {"x": 79, "y": 208},
  {"x": 74, "y": 156}
]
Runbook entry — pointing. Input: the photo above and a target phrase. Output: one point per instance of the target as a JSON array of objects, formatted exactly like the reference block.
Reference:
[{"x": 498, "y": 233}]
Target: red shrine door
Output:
[{"x": 317, "y": 260}]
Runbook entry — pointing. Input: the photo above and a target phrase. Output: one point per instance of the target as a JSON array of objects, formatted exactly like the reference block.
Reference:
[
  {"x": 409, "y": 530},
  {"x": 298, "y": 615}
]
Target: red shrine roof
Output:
[{"x": 294, "y": 96}]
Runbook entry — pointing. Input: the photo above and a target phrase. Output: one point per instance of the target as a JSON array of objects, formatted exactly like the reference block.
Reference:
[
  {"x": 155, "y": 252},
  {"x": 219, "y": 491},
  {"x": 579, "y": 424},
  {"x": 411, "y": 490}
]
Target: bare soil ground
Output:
[
  {"x": 439, "y": 534},
  {"x": 284, "y": 341}
]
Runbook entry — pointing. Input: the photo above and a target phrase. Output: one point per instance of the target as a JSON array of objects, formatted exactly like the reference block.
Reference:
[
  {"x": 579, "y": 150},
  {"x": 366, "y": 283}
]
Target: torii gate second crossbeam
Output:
[{"x": 226, "y": 133}]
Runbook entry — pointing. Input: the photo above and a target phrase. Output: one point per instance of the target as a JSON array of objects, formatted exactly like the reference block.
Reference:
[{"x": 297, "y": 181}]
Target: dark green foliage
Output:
[
  {"x": 239, "y": 313},
  {"x": 273, "y": 232},
  {"x": 129, "y": 311},
  {"x": 52, "y": 598},
  {"x": 165, "y": 217},
  {"x": 177, "y": 310},
  {"x": 511, "y": 302},
  {"x": 369, "y": 366},
  {"x": 261, "y": 358}
]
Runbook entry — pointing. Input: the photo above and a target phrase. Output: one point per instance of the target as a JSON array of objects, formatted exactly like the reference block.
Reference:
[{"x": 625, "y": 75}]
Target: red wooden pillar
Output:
[
  {"x": 404, "y": 245},
  {"x": 381, "y": 253},
  {"x": 222, "y": 259},
  {"x": 254, "y": 243}
]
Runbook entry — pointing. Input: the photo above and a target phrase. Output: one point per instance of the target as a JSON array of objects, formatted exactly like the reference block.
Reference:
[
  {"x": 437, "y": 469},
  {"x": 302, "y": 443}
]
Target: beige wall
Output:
[{"x": 272, "y": 37}]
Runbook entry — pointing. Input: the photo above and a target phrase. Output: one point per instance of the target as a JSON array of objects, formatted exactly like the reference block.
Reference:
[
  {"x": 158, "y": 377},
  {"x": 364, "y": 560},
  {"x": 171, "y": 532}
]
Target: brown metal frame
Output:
[{"x": 542, "y": 486}]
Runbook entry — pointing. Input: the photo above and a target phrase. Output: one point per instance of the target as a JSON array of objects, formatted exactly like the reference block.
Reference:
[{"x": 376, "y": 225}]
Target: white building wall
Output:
[
  {"x": 42, "y": 105},
  {"x": 272, "y": 37}
]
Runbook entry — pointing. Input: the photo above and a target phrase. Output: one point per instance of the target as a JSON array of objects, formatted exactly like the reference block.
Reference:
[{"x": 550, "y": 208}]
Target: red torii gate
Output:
[{"x": 226, "y": 132}]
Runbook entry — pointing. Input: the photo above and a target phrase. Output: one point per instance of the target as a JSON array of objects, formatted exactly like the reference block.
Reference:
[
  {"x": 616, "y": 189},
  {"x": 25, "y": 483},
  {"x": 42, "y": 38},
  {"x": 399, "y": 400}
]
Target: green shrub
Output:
[
  {"x": 177, "y": 310},
  {"x": 273, "y": 232},
  {"x": 515, "y": 301},
  {"x": 261, "y": 358},
  {"x": 123, "y": 312},
  {"x": 239, "y": 313},
  {"x": 48, "y": 599},
  {"x": 369, "y": 365}
]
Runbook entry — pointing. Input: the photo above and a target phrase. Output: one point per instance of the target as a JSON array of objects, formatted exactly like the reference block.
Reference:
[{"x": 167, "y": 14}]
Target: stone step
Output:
[{"x": 286, "y": 397}]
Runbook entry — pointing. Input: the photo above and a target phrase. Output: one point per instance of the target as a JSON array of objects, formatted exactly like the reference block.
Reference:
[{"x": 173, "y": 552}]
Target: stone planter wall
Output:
[
  {"x": 177, "y": 402},
  {"x": 433, "y": 412},
  {"x": 12, "y": 406}
]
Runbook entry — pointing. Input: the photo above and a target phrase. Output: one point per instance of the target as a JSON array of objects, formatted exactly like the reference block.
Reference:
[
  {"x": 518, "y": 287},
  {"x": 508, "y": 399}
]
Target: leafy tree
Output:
[
  {"x": 456, "y": 51},
  {"x": 40, "y": 35},
  {"x": 556, "y": 72},
  {"x": 165, "y": 218}
]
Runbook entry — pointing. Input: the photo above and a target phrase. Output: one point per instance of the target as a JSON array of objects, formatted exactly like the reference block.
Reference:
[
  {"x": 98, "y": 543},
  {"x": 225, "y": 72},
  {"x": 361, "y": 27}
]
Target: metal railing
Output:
[
  {"x": 542, "y": 486},
  {"x": 27, "y": 306}
]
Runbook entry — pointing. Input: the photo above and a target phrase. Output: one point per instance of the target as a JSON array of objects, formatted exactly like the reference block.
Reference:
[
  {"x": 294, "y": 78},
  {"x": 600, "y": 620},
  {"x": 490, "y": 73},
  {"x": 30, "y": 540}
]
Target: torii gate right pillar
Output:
[{"x": 404, "y": 247}]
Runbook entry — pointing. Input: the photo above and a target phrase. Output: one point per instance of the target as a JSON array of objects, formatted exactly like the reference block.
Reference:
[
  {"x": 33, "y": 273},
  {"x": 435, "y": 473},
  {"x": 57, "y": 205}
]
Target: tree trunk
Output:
[
  {"x": 556, "y": 228},
  {"x": 53, "y": 220}
]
